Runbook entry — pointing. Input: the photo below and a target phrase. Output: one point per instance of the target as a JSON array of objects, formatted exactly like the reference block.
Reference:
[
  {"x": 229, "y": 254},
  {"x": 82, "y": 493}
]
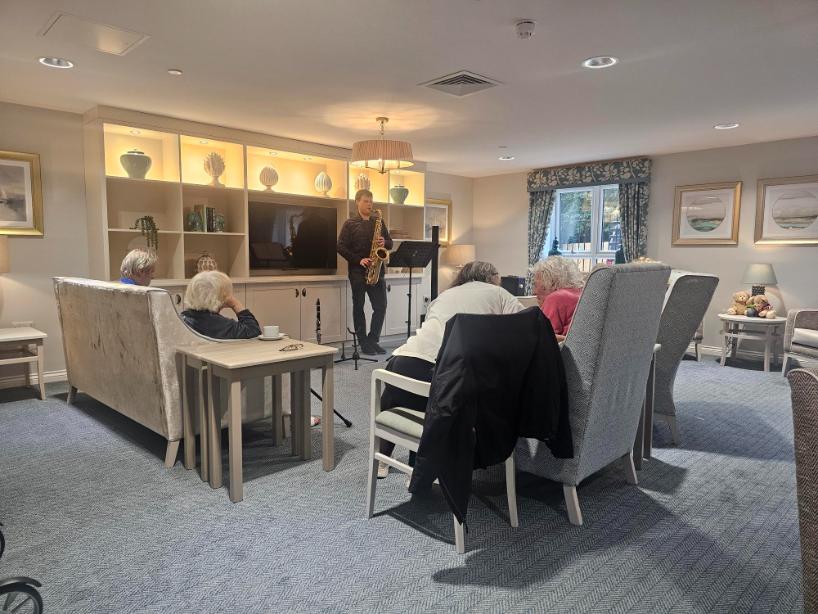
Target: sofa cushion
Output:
[
  {"x": 805, "y": 336},
  {"x": 407, "y": 421}
]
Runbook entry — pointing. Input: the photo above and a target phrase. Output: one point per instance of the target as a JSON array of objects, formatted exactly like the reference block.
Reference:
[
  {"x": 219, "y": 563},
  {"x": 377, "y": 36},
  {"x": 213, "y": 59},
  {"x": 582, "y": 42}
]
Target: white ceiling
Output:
[{"x": 321, "y": 70}]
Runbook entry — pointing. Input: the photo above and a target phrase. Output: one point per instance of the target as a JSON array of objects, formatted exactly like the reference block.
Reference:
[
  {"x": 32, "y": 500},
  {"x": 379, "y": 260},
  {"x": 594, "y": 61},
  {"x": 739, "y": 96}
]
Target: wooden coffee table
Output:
[{"x": 237, "y": 362}]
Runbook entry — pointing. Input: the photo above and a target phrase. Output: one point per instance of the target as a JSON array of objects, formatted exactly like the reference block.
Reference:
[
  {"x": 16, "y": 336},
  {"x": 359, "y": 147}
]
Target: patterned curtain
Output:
[
  {"x": 633, "y": 211},
  {"x": 539, "y": 213}
]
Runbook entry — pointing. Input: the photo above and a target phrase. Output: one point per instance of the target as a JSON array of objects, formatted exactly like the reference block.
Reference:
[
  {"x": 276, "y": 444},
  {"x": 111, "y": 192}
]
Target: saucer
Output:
[{"x": 279, "y": 338}]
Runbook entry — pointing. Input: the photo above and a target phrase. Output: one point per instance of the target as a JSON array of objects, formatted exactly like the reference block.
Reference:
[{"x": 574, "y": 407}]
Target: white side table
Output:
[
  {"x": 734, "y": 328},
  {"x": 24, "y": 345}
]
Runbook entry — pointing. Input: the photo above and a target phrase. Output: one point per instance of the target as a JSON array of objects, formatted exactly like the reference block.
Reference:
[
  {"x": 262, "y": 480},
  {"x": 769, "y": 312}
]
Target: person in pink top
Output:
[{"x": 558, "y": 286}]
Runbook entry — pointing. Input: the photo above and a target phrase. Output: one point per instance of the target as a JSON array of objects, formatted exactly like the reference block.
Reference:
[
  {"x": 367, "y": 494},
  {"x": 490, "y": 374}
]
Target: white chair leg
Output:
[
  {"x": 373, "y": 477},
  {"x": 572, "y": 504},
  {"x": 784, "y": 364},
  {"x": 674, "y": 429},
  {"x": 72, "y": 394},
  {"x": 459, "y": 537},
  {"x": 511, "y": 492},
  {"x": 630, "y": 470}
]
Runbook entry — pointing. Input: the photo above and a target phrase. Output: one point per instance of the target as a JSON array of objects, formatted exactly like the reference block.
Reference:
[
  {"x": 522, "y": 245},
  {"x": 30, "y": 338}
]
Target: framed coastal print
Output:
[
  {"x": 438, "y": 212},
  {"x": 21, "y": 198},
  {"x": 707, "y": 214},
  {"x": 787, "y": 211}
]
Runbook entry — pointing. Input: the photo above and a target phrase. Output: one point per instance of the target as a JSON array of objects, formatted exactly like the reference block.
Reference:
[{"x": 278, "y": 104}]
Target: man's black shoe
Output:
[
  {"x": 378, "y": 349},
  {"x": 368, "y": 348}
]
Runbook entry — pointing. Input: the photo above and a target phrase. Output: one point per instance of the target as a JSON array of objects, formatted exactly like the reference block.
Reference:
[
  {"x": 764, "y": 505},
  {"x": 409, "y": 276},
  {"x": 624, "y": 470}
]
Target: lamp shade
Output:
[
  {"x": 760, "y": 274},
  {"x": 458, "y": 255},
  {"x": 381, "y": 154},
  {"x": 4, "y": 254}
]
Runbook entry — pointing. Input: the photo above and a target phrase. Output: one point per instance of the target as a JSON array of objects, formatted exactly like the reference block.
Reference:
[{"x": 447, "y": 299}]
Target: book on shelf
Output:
[{"x": 210, "y": 216}]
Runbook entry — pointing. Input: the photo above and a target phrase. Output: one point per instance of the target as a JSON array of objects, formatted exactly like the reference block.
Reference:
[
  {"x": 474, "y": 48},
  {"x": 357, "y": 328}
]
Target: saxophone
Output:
[{"x": 378, "y": 255}]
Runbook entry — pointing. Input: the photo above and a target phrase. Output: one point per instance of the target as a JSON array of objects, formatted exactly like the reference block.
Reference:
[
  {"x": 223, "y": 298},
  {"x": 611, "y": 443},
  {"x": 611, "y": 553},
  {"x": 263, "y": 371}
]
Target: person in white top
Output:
[{"x": 476, "y": 289}]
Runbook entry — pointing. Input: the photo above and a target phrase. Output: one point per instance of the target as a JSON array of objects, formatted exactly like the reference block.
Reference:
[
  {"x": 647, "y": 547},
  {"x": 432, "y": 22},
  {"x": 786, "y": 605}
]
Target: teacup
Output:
[{"x": 271, "y": 331}]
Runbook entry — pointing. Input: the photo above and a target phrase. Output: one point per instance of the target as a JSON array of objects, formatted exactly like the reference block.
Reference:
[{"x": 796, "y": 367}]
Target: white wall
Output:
[
  {"x": 795, "y": 265},
  {"x": 501, "y": 222},
  {"x": 26, "y": 293}
]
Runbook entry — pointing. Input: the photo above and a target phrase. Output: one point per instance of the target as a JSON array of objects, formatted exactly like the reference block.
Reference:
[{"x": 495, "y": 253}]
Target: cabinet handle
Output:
[
  {"x": 389, "y": 287},
  {"x": 296, "y": 293},
  {"x": 303, "y": 292},
  {"x": 177, "y": 299}
]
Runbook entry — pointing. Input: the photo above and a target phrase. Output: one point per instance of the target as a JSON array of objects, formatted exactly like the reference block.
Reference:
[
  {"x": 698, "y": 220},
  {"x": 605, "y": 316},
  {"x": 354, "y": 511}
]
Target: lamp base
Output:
[{"x": 758, "y": 290}]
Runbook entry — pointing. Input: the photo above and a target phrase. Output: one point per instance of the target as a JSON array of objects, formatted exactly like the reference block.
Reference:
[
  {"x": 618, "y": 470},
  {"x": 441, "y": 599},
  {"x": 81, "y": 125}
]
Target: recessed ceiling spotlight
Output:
[
  {"x": 56, "y": 62},
  {"x": 726, "y": 126},
  {"x": 174, "y": 71},
  {"x": 600, "y": 61},
  {"x": 204, "y": 142},
  {"x": 273, "y": 153},
  {"x": 135, "y": 131},
  {"x": 505, "y": 158}
]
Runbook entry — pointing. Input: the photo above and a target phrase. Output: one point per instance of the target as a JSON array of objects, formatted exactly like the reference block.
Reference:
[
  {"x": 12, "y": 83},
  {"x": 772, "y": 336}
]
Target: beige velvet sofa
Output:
[{"x": 120, "y": 346}]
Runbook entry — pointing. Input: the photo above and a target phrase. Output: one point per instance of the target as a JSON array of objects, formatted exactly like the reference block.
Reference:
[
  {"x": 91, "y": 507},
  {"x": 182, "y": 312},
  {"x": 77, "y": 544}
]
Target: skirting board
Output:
[{"x": 16, "y": 381}]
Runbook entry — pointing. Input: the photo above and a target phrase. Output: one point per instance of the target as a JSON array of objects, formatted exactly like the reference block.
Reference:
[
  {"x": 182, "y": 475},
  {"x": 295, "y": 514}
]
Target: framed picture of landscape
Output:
[
  {"x": 21, "y": 199},
  {"x": 707, "y": 214},
  {"x": 787, "y": 211}
]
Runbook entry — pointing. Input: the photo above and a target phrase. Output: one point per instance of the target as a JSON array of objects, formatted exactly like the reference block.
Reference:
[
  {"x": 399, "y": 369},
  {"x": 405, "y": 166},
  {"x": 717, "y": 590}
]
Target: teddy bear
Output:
[
  {"x": 761, "y": 305},
  {"x": 739, "y": 306}
]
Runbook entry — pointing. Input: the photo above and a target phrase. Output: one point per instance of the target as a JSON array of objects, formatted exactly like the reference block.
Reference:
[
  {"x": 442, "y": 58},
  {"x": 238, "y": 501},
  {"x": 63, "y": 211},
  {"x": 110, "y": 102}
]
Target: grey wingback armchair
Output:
[
  {"x": 800, "y": 337},
  {"x": 685, "y": 305},
  {"x": 607, "y": 355},
  {"x": 804, "y": 385}
]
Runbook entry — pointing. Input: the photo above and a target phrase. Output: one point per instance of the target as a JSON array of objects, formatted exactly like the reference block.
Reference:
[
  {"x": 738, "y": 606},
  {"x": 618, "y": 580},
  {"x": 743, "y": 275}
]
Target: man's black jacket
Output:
[
  {"x": 355, "y": 240},
  {"x": 497, "y": 378}
]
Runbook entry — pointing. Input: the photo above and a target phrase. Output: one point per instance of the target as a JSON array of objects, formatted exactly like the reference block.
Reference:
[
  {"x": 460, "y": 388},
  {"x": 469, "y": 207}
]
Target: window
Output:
[{"x": 585, "y": 223}]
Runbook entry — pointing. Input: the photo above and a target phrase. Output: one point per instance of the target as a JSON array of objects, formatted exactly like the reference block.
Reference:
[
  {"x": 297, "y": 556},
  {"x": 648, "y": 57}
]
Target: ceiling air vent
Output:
[{"x": 461, "y": 83}]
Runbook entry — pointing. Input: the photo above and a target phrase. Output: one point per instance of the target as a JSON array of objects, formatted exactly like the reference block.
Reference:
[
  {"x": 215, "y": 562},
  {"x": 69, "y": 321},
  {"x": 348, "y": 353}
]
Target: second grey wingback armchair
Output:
[
  {"x": 685, "y": 305},
  {"x": 804, "y": 385},
  {"x": 607, "y": 355},
  {"x": 800, "y": 338}
]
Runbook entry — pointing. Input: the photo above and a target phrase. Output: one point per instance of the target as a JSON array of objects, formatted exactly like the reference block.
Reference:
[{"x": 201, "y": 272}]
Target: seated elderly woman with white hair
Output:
[
  {"x": 558, "y": 285},
  {"x": 207, "y": 294},
  {"x": 138, "y": 267}
]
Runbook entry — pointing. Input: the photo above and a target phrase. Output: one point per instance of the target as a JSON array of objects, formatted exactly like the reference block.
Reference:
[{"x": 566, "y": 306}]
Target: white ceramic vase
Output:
[
  {"x": 214, "y": 166},
  {"x": 268, "y": 177},
  {"x": 323, "y": 183}
]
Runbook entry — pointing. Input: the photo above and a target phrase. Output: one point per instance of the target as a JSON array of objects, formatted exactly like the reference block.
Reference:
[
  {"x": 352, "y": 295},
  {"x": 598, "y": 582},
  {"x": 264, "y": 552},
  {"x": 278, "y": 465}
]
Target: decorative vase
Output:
[
  {"x": 193, "y": 222},
  {"x": 323, "y": 183},
  {"x": 362, "y": 182},
  {"x": 214, "y": 166},
  {"x": 136, "y": 163},
  {"x": 268, "y": 177},
  {"x": 398, "y": 194},
  {"x": 218, "y": 223},
  {"x": 206, "y": 262}
]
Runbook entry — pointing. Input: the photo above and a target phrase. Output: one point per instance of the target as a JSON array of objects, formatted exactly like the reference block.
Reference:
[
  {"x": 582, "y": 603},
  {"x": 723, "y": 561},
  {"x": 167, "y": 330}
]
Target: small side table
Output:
[
  {"x": 24, "y": 345},
  {"x": 734, "y": 329}
]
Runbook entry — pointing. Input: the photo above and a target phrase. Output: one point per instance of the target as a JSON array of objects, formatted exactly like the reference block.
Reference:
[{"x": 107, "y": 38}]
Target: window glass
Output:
[
  {"x": 575, "y": 220},
  {"x": 611, "y": 238}
]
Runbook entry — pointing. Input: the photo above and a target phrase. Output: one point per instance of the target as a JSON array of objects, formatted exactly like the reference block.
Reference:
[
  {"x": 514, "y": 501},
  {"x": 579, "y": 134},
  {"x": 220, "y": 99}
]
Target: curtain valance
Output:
[{"x": 629, "y": 170}]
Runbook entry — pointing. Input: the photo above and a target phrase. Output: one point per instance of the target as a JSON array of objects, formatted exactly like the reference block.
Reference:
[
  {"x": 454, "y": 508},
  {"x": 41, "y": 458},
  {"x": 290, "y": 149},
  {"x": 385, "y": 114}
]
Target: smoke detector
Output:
[{"x": 525, "y": 28}]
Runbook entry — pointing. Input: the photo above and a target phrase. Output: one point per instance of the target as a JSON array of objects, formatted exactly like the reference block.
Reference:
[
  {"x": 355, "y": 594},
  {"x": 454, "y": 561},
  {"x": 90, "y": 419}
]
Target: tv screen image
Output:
[{"x": 291, "y": 237}]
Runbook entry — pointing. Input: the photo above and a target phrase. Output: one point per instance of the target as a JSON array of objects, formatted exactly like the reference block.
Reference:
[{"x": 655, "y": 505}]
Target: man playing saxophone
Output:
[{"x": 355, "y": 244}]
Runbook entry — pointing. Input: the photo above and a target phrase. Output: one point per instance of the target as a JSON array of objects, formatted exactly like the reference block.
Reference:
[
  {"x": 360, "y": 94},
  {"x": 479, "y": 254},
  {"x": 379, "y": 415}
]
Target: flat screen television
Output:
[{"x": 291, "y": 238}]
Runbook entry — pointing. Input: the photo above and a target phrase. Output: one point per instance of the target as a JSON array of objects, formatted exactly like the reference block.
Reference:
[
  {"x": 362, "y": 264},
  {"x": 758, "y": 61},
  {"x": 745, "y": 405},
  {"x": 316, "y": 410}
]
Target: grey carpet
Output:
[{"x": 89, "y": 510}]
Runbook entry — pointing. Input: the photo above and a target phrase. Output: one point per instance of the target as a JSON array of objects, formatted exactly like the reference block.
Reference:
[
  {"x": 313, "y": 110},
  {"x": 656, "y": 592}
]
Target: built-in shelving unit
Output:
[{"x": 177, "y": 184}]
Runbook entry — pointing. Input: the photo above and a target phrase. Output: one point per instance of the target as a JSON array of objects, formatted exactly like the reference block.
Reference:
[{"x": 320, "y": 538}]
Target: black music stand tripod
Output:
[
  {"x": 412, "y": 254},
  {"x": 356, "y": 355}
]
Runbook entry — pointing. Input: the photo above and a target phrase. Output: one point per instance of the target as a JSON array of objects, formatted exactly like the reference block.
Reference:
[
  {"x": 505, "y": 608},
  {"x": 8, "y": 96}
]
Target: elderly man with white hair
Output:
[
  {"x": 558, "y": 285},
  {"x": 138, "y": 267}
]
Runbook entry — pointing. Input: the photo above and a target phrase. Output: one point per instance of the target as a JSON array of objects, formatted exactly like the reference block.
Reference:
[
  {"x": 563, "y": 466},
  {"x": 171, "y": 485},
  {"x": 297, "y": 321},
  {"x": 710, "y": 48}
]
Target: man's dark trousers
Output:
[{"x": 377, "y": 298}]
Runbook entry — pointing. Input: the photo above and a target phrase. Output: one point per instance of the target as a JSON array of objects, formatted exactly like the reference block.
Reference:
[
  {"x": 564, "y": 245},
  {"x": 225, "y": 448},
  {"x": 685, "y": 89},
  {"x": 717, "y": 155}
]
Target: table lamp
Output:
[
  {"x": 760, "y": 275},
  {"x": 458, "y": 255}
]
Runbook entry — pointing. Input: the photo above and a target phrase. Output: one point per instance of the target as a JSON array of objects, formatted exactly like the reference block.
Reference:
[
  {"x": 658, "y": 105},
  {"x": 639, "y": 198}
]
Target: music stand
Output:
[{"x": 412, "y": 254}]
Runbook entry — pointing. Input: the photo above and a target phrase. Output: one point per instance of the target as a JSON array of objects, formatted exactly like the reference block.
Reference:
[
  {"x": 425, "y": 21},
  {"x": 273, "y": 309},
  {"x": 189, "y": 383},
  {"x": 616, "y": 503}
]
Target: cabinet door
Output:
[
  {"x": 397, "y": 307},
  {"x": 276, "y": 305},
  {"x": 332, "y": 312}
]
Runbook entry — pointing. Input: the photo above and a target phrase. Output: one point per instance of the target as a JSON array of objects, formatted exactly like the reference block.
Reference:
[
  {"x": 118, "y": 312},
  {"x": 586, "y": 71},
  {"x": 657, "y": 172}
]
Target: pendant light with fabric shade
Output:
[{"x": 382, "y": 154}]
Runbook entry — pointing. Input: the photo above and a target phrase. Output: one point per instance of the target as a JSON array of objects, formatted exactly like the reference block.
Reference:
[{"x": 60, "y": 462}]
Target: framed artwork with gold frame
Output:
[
  {"x": 787, "y": 211},
  {"x": 707, "y": 214},
  {"x": 438, "y": 212},
  {"x": 21, "y": 194}
]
